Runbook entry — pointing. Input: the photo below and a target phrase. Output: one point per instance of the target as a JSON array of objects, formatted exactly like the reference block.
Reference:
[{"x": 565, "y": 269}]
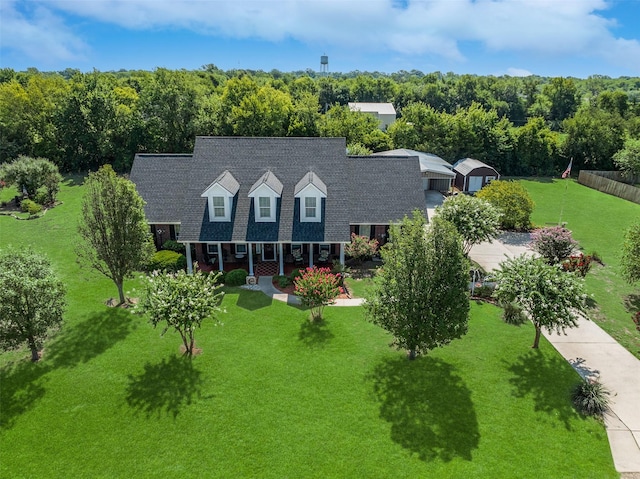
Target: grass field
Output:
[
  {"x": 273, "y": 396},
  {"x": 597, "y": 222}
]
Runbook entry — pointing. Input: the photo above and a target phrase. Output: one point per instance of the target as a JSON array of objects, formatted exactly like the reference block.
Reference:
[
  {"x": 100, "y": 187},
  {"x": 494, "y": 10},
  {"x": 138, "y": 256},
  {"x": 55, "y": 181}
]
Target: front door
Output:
[{"x": 268, "y": 252}]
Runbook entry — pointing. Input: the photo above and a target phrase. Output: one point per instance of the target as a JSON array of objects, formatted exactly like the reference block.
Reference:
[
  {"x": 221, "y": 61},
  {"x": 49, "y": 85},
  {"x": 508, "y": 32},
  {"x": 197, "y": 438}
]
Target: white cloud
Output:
[
  {"x": 39, "y": 35},
  {"x": 518, "y": 72},
  {"x": 441, "y": 28}
]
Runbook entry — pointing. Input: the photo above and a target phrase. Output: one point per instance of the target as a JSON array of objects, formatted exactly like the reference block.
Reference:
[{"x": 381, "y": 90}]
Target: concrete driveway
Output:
[{"x": 490, "y": 254}]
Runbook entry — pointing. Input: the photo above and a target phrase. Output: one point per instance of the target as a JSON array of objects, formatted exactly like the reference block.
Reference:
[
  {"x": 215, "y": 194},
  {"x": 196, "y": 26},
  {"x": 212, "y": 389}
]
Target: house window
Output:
[
  {"x": 241, "y": 248},
  {"x": 310, "y": 205},
  {"x": 489, "y": 179},
  {"x": 212, "y": 249},
  {"x": 218, "y": 207},
  {"x": 264, "y": 203}
]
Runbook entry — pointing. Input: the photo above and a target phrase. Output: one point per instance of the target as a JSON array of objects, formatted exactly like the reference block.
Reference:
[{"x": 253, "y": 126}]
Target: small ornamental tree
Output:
[
  {"x": 631, "y": 254},
  {"x": 475, "y": 219},
  {"x": 628, "y": 158},
  {"x": 421, "y": 293},
  {"x": 181, "y": 302},
  {"x": 513, "y": 200},
  {"x": 115, "y": 235},
  {"x": 361, "y": 247},
  {"x": 554, "y": 244},
  {"x": 552, "y": 298},
  {"x": 31, "y": 300},
  {"x": 31, "y": 174},
  {"x": 317, "y": 288}
]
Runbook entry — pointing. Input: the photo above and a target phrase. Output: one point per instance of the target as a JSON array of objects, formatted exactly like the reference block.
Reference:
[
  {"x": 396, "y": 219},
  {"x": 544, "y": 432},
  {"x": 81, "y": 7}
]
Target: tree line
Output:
[{"x": 521, "y": 126}]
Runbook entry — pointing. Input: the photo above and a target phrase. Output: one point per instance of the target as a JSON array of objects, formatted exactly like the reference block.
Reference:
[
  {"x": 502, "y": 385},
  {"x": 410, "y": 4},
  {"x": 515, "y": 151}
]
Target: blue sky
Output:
[{"x": 486, "y": 37}]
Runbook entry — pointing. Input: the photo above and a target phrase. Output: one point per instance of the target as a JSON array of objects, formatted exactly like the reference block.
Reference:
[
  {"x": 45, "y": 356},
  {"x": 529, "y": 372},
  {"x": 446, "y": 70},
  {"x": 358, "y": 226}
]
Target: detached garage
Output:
[{"x": 472, "y": 175}]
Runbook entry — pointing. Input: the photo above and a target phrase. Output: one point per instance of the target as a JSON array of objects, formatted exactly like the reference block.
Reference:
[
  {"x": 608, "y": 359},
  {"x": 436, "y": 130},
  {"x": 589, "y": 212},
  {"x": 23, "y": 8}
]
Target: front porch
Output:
[{"x": 263, "y": 259}]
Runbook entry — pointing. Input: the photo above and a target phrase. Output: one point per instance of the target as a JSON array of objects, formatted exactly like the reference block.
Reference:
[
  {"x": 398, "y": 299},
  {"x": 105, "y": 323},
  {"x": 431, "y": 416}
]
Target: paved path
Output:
[
  {"x": 592, "y": 353},
  {"x": 265, "y": 284}
]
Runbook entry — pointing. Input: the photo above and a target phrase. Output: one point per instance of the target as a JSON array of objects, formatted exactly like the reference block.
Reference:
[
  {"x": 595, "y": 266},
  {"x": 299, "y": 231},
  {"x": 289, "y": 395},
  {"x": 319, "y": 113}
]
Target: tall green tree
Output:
[
  {"x": 628, "y": 158},
  {"x": 552, "y": 298},
  {"x": 420, "y": 295},
  {"x": 32, "y": 300},
  {"x": 116, "y": 240},
  {"x": 631, "y": 254},
  {"x": 264, "y": 113},
  {"x": 181, "y": 302},
  {"x": 32, "y": 174},
  {"x": 475, "y": 219},
  {"x": 339, "y": 121}
]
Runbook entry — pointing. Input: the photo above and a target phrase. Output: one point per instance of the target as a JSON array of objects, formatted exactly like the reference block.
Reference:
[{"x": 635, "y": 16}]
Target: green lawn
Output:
[
  {"x": 597, "y": 221},
  {"x": 273, "y": 396}
]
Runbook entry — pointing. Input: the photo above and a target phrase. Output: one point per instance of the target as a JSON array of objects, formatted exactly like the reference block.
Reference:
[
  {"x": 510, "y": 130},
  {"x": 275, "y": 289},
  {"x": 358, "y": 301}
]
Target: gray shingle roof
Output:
[
  {"x": 160, "y": 179},
  {"x": 467, "y": 165},
  {"x": 429, "y": 163},
  {"x": 359, "y": 190},
  {"x": 385, "y": 188}
]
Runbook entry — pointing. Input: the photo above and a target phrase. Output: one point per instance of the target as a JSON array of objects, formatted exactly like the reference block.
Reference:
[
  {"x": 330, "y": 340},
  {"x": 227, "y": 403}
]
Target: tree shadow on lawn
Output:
[
  {"x": 548, "y": 381},
  {"x": 253, "y": 300},
  {"x": 22, "y": 382},
  {"x": 88, "y": 339},
  {"x": 429, "y": 407},
  {"x": 315, "y": 333},
  {"x": 165, "y": 387},
  {"x": 21, "y": 385}
]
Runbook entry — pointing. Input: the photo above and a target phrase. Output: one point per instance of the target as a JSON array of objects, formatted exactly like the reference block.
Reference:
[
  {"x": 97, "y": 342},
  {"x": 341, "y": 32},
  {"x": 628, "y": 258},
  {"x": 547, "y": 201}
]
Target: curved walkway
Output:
[
  {"x": 593, "y": 354},
  {"x": 265, "y": 284}
]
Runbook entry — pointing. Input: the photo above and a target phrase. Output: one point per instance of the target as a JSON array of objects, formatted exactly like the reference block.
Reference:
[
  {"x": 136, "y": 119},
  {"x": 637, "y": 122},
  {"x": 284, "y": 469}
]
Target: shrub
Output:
[
  {"x": 579, "y": 264},
  {"x": 513, "y": 200},
  {"x": 169, "y": 261},
  {"x": 283, "y": 281},
  {"x": 296, "y": 273},
  {"x": 236, "y": 277},
  {"x": 41, "y": 197},
  {"x": 361, "y": 248},
  {"x": 31, "y": 207},
  {"x": 513, "y": 314},
  {"x": 484, "y": 291},
  {"x": 590, "y": 398},
  {"x": 221, "y": 276},
  {"x": 172, "y": 245},
  {"x": 554, "y": 244}
]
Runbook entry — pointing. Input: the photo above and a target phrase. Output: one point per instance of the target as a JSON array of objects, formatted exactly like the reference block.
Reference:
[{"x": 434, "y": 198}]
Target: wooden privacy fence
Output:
[{"x": 610, "y": 182}]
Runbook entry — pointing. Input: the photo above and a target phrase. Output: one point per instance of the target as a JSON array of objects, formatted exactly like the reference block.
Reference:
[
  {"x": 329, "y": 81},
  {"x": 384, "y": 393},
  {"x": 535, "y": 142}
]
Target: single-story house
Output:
[
  {"x": 437, "y": 174},
  {"x": 472, "y": 175},
  {"x": 242, "y": 202},
  {"x": 385, "y": 113}
]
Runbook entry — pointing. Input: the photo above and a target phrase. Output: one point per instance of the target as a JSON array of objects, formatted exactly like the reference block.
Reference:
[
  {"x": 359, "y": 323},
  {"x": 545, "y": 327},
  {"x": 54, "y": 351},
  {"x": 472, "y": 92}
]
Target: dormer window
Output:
[
  {"x": 310, "y": 190},
  {"x": 264, "y": 207},
  {"x": 219, "y": 207},
  {"x": 220, "y": 195},
  {"x": 265, "y": 193},
  {"x": 310, "y": 207}
]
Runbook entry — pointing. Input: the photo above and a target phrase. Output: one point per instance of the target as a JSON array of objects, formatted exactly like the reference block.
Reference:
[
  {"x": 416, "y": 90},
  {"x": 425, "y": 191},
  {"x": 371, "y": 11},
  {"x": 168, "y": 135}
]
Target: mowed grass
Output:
[
  {"x": 273, "y": 396},
  {"x": 598, "y": 222}
]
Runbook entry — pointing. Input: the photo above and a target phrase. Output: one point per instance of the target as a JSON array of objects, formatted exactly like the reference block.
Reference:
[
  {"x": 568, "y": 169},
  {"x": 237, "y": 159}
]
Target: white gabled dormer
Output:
[
  {"x": 220, "y": 195},
  {"x": 310, "y": 189},
  {"x": 265, "y": 193}
]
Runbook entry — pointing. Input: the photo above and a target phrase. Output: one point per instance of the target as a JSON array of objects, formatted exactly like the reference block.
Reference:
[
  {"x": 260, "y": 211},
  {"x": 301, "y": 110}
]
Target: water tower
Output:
[{"x": 324, "y": 64}]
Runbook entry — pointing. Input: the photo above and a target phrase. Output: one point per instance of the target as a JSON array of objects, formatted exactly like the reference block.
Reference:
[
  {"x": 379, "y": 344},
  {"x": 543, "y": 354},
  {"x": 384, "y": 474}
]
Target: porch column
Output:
[
  {"x": 342, "y": 254},
  {"x": 310, "y": 255},
  {"x": 280, "y": 259},
  {"x": 250, "y": 251},
  {"x": 220, "y": 265},
  {"x": 189, "y": 263}
]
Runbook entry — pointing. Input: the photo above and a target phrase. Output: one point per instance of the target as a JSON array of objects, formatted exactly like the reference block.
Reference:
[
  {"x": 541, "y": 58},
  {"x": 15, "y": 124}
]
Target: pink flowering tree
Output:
[
  {"x": 317, "y": 288},
  {"x": 554, "y": 244}
]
